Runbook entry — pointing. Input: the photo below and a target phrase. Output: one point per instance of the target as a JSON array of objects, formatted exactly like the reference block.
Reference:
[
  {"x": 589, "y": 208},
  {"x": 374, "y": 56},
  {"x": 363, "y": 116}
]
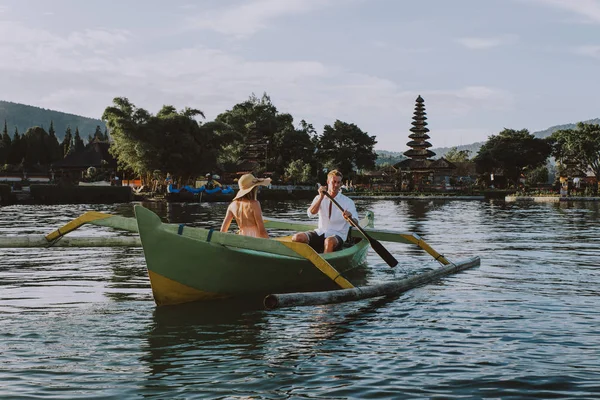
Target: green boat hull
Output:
[{"x": 192, "y": 264}]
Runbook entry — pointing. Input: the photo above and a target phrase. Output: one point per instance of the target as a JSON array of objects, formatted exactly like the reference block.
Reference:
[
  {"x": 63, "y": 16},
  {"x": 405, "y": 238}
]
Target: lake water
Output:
[{"x": 81, "y": 323}]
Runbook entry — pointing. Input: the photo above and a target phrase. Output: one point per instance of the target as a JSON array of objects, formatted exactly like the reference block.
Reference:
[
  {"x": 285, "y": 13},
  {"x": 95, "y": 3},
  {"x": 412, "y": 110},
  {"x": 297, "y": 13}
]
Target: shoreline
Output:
[
  {"x": 418, "y": 197},
  {"x": 549, "y": 199}
]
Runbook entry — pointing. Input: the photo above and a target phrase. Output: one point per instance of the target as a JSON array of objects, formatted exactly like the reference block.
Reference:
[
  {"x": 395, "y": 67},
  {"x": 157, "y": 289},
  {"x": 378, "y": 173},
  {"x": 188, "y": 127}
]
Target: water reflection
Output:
[
  {"x": 194, "y": 331},
  {"x": 523, "y": 325},
  {"x": 318, "y": 329}
]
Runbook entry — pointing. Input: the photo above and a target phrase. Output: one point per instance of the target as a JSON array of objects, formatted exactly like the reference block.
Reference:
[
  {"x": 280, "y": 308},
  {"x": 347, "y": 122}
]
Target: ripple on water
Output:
[{"x": 81, "y": 323}]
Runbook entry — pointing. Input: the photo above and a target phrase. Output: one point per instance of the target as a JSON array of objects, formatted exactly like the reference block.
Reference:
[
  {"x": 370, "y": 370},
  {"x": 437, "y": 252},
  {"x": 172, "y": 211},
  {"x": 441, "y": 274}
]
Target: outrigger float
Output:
[{"x": 187, "y": 264}]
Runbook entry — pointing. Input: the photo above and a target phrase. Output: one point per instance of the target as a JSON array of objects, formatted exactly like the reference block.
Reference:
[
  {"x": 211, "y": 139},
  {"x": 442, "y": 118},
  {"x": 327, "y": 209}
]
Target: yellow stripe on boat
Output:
[
  {"x": 167, "y": 291},
  {"x": 310, "y": 254}
]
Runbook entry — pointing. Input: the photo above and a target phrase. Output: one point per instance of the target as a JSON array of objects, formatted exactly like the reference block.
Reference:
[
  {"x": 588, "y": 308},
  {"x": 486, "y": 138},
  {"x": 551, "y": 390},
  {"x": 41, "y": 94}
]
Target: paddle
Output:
[{"x": 378, "y": 247}]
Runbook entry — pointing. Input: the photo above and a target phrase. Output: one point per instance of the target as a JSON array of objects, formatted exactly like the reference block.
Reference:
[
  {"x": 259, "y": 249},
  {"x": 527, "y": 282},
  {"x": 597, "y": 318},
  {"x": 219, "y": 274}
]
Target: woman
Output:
[{"x": 245, "y": 208}]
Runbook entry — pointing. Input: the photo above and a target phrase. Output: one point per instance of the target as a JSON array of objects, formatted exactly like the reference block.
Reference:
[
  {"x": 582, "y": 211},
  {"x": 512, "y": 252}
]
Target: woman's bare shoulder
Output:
[{"x": 254, "y": 204}]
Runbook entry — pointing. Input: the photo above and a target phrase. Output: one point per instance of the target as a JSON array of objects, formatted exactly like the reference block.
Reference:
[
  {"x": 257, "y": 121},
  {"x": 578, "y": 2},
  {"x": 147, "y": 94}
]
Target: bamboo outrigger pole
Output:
[
  {"x": 273, "y": 301},
  {"x": 57, "y": 237},
  {"x": 75, "y": 241}
]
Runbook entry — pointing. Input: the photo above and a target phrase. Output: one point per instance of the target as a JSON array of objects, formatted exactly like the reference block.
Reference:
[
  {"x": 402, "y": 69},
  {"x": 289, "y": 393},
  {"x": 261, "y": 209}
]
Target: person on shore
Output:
[
  {"x": 212, "y": 182},
  {"x": 333, "y": 224},
  {"x": 245, "y": 208}
]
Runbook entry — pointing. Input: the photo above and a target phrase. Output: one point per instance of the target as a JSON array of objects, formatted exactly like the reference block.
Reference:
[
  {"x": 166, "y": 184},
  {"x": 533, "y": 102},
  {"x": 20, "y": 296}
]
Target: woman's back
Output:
[{"x": 246, "y": 213}]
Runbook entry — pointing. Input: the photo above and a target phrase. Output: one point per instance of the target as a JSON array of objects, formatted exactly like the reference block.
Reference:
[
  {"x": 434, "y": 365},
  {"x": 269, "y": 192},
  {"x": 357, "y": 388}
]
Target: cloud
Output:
[
  {"x": 588, "y": 50},
  {"x": 459, "y": 136},
  {"x": 248, "y": 18},
  {"x": 589, "y": 9},
  {"x": 466, "y": 100},
  {"x": 82, "y": 71},
  {"x": 480, "y": 43},
  {"x": 16, "y": 35}
]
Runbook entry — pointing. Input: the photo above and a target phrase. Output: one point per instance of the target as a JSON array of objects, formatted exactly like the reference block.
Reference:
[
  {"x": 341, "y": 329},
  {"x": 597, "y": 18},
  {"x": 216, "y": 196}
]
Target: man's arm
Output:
[
  {"x": 314, "y": 207},
  {"x": 350, "y": 210}
]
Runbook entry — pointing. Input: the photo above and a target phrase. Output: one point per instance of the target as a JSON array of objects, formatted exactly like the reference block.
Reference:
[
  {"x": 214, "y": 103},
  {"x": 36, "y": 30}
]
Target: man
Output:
[
  {"x": 211, "y": 182},
  {"x": 333, "y": 224}
]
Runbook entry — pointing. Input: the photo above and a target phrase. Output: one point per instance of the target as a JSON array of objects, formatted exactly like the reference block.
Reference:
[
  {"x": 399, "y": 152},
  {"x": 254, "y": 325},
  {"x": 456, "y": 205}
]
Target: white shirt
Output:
[{"x": 337, "y": 225}]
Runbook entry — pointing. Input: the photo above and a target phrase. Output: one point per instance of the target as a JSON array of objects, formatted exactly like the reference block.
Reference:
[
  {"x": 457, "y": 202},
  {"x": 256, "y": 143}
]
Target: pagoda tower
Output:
[{"x": 419, "y": 146}]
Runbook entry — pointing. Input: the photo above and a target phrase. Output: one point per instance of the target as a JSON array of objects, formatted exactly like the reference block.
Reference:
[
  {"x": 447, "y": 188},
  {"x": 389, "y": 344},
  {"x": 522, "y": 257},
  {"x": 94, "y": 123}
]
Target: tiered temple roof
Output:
[
  {"x": 419, "y": 154},
  {"x": 419, "y": 144}
]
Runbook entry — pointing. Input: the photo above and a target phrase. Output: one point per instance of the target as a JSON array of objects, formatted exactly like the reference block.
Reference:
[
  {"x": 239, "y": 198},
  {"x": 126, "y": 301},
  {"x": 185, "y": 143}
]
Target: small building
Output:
[{"x": 74, "y": 167}]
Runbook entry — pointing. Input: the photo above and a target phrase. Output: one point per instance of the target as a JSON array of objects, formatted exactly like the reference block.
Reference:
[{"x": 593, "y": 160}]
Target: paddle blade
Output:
[{"x": 383, "y": 252}]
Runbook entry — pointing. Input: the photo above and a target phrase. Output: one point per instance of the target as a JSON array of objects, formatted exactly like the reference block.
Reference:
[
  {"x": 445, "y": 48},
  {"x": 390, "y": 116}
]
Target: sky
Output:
[{"x": 480, "y": 65}]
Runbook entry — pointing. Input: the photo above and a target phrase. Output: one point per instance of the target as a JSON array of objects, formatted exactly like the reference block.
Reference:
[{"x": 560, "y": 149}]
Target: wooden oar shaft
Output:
[
  {"x": 350, "y": 220},
  {"x": 40, "y": 241},
  {"x": 378, "y": 247},
  {"x": 273, "y": 301}
]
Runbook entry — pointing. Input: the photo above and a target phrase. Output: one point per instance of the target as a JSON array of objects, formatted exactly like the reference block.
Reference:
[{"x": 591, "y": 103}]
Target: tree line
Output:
[
  {"x": 517, "y": 153},
  {"x": 23, "y": 117},
  {"x": 38, "y": 147},
  {"x": 253, "y": 135}
]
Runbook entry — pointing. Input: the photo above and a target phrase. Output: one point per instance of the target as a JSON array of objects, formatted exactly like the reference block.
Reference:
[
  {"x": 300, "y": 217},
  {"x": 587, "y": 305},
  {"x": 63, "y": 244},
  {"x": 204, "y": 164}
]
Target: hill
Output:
[
  {"x": 552, "y": 129},
  {"x": 24, "y": 117},
  {"x": 473, "y": 148},
  {"x": 388, "y": 157}
]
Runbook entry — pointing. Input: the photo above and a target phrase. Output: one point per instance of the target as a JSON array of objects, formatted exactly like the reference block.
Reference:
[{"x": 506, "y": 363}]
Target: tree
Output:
[
  {"x": 65, "y": 146},
  {"x": 455, "y": 155},
  {"x": 78, "y": 144},
  {"x": 5, "y": 145},
  {"x": 579, "y": 147},
  {"x": 298, "y": 171},
  {"x": 170, "y": 142},
  {"x": 292, "y": 145},
  {"x": 537, "y": 175},
  {"x": 98, "y": 135},
  {"x": 346, "y": 147},
  {"x": 512, "y": 152},
  {"x": 226, "y": 144},
  {"x": 36, "y": 146},
  {"x": 17, "y": 149},
  {"x": 257, "y": 131},
  {"x": 53, "y": 146}
]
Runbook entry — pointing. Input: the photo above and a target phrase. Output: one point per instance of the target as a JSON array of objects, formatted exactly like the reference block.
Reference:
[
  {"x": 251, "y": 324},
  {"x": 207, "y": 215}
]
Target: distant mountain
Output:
[
  {"x": 474, "y": 147},
  {"x": 388, "y": 157},
  {"x": 24, "y": 117},
  {"x": 552, "y": 129}
]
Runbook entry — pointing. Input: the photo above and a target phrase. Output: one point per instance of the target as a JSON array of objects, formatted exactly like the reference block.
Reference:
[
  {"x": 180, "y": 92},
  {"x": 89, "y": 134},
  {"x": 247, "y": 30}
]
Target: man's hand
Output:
[
  {"x": 347, "y": 215},
  {"x": 322, "y": 190}
]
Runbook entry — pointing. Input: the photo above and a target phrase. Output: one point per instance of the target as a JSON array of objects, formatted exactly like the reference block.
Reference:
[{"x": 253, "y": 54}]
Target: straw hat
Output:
[{"x": 248, "y": 182}]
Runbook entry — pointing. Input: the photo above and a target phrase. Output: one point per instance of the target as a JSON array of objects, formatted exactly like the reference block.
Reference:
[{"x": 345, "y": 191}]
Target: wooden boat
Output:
[{"x": 190, "y": 264}]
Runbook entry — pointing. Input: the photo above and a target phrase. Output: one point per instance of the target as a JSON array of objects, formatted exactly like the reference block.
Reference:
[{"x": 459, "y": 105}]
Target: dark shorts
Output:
[{"x": 317, "y": 242}]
